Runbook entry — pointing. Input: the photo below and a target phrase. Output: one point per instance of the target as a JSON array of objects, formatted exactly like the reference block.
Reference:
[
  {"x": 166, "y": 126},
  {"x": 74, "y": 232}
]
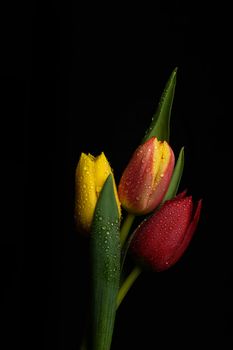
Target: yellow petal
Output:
[
  {"x": 161, "y": 161},
  {"x": 102, "y": 170},
  {"x": 85, "y": 193},
  {"x": 158, "y": 145},
  {"x": 165, "y": 159},
  {"x": 91, "y": 174}
]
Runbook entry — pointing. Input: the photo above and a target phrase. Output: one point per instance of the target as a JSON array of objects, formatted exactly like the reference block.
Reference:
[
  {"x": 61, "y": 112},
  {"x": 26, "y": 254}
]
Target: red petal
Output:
[
  {"x": 157, "y": 238},
  {"x": 188, "y": 236},
  {"x": 181, "y": 194},
  {"x": 137, "y": 178}
]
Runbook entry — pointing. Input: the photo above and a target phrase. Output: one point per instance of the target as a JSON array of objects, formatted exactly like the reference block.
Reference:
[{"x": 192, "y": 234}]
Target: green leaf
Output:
[
  {"x": 105, "y": 267},
  {"x": 160, "y": 125},
  {"x": 176, "y": 177}
]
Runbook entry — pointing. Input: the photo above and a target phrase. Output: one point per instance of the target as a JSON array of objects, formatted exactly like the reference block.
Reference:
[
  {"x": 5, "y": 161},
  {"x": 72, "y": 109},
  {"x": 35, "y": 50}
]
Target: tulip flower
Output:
[
  {"x": 145, "y": 180},
  {"x": 161, "y": 239},
  {"x": 91, "y": 174}
]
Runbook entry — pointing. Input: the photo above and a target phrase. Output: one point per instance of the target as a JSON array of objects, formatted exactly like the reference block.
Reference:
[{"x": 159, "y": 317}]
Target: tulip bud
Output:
[
  {"x": 161, "y": 239},
  {"x": 145, "y": 180},
  {"x": 91, "y": 174}
]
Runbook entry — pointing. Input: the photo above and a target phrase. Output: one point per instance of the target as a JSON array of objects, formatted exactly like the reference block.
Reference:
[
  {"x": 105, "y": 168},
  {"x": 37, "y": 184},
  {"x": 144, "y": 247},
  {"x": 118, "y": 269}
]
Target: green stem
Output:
[
  {"x": 127, "y": 284},
  {"x": 126, "y": 228}
]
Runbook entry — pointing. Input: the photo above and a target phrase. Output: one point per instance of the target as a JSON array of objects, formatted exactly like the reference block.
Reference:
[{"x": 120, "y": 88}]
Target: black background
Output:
[{"x": 87, "y": 78}]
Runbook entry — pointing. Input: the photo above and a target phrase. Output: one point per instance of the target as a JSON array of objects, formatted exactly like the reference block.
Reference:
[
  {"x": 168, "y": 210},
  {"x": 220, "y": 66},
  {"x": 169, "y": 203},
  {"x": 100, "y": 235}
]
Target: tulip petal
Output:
[
  {"x": 146, "y": 178},
  {"x": 91, "y": 174},
  {"x": 188, "y": 236},
  {"x": 158, "y": 237},
  {"x": 137, "y": 177},
  {"x": 160, "y": 125},
  {"x": 85, "y": 196},
  {"x": 162, "y": 178},
  {"x": 102, "y": 170},
  {"x": 181, "y": 194}
]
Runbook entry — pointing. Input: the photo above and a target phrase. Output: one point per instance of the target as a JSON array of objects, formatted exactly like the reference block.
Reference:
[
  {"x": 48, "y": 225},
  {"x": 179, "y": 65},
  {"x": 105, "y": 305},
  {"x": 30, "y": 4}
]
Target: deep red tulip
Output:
[
  {"x": 161, "y": 240},
  {"x": 145, "y": 180}
]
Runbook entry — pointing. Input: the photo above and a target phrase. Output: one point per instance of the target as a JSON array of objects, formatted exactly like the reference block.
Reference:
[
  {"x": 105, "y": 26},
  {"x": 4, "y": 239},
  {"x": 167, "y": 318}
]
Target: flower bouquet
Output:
[{"x": 105, "y": 212}]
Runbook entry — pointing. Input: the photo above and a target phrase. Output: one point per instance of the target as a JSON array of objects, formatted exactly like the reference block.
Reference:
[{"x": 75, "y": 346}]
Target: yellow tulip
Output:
[{"x": 91, "y": 174}]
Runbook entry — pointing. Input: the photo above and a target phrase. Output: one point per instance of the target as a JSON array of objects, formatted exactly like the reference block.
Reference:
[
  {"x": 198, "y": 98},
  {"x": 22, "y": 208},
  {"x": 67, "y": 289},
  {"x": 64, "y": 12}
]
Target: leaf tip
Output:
[{"x": 174, "y": 74}]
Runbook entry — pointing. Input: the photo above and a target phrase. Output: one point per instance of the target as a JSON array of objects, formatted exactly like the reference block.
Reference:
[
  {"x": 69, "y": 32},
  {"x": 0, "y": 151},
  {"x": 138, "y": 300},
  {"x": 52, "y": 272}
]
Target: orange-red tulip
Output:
[{"x": 145, "y": 180}]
